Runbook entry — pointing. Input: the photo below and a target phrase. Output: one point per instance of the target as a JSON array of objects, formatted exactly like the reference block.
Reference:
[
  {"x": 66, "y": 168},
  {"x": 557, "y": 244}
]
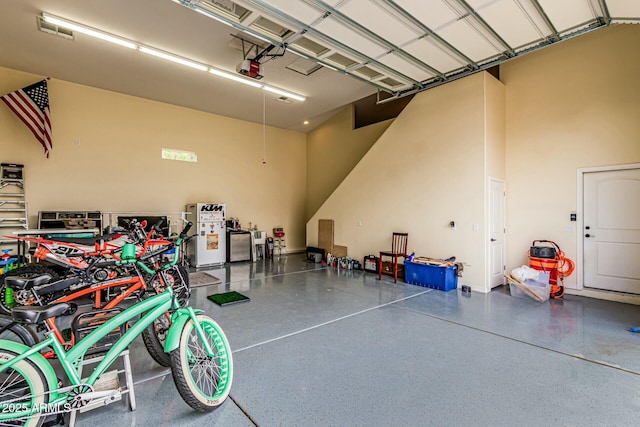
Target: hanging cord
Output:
[
  {"x": 565, "y": 265},
  {"x": 264, "y": 128}
]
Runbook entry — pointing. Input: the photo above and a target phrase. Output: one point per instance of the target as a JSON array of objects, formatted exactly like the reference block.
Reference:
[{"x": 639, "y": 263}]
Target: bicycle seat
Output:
[
  {"x": 20, "y": 283},
  {"x": 36, "y": 314}
]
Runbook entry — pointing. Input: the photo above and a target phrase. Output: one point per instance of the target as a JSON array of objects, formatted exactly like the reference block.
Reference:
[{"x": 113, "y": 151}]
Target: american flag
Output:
[{"x": 31, "y": 105}]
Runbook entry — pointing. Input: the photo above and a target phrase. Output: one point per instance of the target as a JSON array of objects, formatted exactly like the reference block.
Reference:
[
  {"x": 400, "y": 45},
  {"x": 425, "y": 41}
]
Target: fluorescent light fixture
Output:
[
  {"x": 284, "y": 93},
  {"x": 234, "y": 77},
  {"x": 80, "y": 28},
  {"x": 173, "y": 58},
  {"x": 74, "y": 26}
]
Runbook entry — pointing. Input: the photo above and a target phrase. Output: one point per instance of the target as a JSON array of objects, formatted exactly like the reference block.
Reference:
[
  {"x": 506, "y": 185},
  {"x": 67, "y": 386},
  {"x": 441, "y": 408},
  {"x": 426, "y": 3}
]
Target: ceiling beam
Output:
[
  {"x": 368, "y": 33},
  {"x": 595, "y": 24},
  {"x": 430, "y": 33},
  {"x": 331, "y": 41},
  {"x": 510, "y": 53},
  {"x": 274, "y": 41},
  {"x": 554, "y": 32}
]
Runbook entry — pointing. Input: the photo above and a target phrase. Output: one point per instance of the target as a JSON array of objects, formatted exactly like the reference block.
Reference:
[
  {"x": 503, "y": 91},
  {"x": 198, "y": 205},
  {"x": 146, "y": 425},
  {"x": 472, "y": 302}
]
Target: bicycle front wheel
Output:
[
  {"x": 22, "y": 387},
  {"x": 203, "y": 381},
  {"x": 154, "y": 337}
]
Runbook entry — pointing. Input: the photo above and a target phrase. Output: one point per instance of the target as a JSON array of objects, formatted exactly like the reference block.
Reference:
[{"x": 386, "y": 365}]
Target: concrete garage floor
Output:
[{"x": 321, "y": 347}]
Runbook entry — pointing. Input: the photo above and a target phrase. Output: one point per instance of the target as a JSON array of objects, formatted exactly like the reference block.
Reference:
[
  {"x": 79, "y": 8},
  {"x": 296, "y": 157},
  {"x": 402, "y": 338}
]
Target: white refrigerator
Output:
[{"x": 208, "y": 247}]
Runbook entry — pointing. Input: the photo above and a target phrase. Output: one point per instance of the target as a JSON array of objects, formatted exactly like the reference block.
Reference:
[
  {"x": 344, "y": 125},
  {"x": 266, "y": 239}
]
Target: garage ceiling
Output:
[{"x": 330, "y": 52}]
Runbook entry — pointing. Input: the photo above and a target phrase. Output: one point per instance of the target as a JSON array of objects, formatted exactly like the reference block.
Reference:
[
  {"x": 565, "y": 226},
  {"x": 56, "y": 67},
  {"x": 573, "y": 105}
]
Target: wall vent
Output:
[{"x": 49, "y": 28}]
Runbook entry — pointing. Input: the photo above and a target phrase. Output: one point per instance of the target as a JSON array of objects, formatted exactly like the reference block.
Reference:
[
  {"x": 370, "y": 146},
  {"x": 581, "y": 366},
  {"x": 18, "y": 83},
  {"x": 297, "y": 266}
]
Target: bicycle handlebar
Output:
[
  {"x": 176, "y": 256},
  {"x": 185, "y": 230}
]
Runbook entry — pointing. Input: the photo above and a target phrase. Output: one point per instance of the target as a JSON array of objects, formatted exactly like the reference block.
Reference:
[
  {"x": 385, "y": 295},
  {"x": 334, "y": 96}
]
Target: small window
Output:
[
  {"x": 184, "y": 156},
  {"x": 310, "y": 46},
  {"x": 226, "y": 7},
  {"x": 370, "y": 73},
  {"x": 341, "y": 60},
  {"x": 390, "y": 82},
  {"x": 271, "y": 27}
]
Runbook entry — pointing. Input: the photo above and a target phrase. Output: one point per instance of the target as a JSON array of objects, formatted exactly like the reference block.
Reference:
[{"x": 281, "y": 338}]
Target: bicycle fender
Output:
[
  {"x": 38, "y": 360},
  {"x": 179, "y": 319}
]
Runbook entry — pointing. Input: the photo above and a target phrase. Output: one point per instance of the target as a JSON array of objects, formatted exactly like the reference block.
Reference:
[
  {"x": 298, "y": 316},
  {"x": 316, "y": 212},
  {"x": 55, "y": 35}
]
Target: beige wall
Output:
[
  {"x": 494, "y": 138},
  {"x": 333, "y": 149},
  {"x": 116, "y": 166},
  {"x": 494, "y": 110},
  {"x": 571, "y": 106},
  {"x": 426, "y": 170}
]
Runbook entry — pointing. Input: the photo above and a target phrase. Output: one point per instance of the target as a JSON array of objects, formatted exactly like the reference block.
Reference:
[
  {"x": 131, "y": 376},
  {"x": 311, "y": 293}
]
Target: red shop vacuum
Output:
[{"x": 549, "y": 258}]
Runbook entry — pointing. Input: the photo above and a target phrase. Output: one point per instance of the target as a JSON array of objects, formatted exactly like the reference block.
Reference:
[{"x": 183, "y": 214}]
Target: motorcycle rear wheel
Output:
[{"x": 26, "y": 271}]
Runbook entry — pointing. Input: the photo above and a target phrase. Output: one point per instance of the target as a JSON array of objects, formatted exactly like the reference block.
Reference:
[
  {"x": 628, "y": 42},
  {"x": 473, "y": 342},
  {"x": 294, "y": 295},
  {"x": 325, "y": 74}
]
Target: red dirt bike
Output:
[
  {"x": 136, "y": 280},
  {"x": 76, "y": 263}
]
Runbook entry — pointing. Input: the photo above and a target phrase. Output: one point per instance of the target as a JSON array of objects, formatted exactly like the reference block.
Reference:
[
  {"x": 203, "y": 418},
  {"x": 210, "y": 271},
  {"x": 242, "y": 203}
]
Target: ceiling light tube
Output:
[
  {"x": 173, "y": 58},
  {"x": 284, "y": 93},
  {"x": 64, "y": 23},
  {"x": 234, "y": 77}
]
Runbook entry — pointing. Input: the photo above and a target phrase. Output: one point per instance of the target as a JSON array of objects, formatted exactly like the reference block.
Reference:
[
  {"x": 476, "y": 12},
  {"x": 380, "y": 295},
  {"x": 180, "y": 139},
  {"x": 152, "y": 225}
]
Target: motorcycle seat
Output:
[
  {"x": 26, "y": 283},
  {"x": 88, "y": 241}
]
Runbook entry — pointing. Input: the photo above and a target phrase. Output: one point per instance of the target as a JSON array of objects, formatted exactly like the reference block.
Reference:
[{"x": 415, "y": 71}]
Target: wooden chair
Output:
[{"x": 398, "y": 250}]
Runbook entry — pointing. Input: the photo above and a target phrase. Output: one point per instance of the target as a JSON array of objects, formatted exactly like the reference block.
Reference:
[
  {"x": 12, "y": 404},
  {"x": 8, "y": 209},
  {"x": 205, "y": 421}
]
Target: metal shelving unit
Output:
[{"x": 13, "y": 203}]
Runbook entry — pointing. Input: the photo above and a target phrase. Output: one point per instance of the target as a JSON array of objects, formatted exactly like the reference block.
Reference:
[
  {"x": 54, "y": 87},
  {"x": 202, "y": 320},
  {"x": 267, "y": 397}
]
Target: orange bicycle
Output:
[{"x": 144, "y": 278}]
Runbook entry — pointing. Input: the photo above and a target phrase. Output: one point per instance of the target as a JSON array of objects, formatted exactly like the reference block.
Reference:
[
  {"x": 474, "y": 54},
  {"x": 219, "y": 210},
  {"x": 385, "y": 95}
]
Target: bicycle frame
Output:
[
  {"x": 71, "y": 360},
  {"x": 132, "y": 283},
  {"x": 74, "y": 255}
]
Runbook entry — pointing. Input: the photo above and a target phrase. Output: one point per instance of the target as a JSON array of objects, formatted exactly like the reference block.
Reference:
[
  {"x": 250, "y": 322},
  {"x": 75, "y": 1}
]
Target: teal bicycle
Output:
[{"x": 201, "y": 360}]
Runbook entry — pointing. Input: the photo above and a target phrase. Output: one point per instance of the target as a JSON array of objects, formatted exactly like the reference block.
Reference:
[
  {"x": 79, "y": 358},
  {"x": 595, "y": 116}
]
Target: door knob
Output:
[
  {"x": 589, "y": 235},
  {"x": 493, "y": 240}
]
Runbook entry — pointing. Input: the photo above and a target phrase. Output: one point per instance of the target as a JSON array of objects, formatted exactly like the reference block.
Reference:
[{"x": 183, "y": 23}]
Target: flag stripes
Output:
[{"x": 31, "y": 105}]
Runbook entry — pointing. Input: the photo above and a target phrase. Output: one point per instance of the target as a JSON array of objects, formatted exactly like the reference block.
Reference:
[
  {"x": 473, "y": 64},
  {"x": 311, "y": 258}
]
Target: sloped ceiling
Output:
[{"x": 331, "y": 52}]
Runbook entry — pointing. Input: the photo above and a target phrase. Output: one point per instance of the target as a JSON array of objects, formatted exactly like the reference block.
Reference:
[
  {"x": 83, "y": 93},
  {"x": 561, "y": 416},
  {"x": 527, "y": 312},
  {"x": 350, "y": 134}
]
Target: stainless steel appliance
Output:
[{"x": 238, "y": 245}]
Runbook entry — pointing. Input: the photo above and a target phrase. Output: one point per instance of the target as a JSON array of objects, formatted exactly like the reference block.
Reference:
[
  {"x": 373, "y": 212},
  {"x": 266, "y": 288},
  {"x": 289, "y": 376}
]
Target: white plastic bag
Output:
[{"x": 525, "y": 272}]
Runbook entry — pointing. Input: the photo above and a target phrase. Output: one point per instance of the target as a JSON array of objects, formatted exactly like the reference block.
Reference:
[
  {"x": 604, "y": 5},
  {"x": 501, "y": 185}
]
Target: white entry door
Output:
[
  {"x": 611, "y": 234},
  {"x": 496, "y": 232}
]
